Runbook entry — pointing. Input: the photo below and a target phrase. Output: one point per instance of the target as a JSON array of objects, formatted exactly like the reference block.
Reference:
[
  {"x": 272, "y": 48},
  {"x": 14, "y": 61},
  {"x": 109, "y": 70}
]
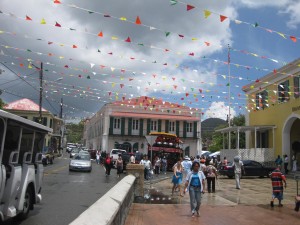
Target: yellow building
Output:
[
  {"x": 274, "y": 100},
  {"x": 273, "y": 117}
]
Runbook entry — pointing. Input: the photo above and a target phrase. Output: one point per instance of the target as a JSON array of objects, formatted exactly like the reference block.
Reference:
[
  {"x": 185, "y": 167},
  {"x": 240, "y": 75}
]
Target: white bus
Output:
[{"x": 21, "y": 168}]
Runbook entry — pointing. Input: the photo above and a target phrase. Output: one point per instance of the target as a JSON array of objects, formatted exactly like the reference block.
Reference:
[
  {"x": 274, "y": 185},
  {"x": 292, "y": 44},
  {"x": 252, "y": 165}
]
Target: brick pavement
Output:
[{"x": 228, "y": 206}]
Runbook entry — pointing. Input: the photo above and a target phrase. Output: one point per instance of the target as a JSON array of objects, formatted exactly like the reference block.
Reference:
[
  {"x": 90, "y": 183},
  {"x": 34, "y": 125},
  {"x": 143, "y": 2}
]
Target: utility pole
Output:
[
  {"x": 41, "y": 93},
  {"x": 61, "y": 108},
  {"x": 229, "y": 96}
]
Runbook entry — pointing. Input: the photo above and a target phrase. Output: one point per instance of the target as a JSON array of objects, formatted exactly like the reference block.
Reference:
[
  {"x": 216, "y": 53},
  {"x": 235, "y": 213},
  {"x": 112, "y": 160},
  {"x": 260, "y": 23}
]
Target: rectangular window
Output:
[
  {"x": 261, "y": 100},
  {"x": 283, "y": 91},
  {"x": 296, "y": 86},
  {"x": 135, "y": 124},
  {"x": 172, "y": 126},
  {"x": 153, "y": 126},
  {"x": 117, "y": 123},
  {"x": 189, "y": 127}
]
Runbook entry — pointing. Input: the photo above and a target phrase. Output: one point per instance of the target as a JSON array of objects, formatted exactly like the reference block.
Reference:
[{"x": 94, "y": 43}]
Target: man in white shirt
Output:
[
  {"x": 238, "y": 169},
  {"x": 187, "y": 165},
  {"x": 147, "y": 166}
]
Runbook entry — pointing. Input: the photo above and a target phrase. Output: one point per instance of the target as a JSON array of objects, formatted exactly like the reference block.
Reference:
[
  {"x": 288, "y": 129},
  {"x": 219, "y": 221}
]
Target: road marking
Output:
[{"x": 54, "y": 171}]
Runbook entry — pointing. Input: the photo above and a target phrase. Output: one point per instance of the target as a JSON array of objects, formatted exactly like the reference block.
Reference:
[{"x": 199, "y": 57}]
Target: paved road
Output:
[{"x": 67, "y": 194}]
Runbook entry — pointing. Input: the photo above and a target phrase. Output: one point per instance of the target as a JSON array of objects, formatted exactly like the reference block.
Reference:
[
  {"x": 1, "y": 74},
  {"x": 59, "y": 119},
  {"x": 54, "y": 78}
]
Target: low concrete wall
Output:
[{"x": 112, "y": 208}]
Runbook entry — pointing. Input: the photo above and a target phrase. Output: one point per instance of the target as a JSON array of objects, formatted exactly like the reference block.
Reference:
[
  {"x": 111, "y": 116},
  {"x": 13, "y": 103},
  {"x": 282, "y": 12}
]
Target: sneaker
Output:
[
  {"x": 272, "y": 204},
  {"x": 193, "y": 213}
]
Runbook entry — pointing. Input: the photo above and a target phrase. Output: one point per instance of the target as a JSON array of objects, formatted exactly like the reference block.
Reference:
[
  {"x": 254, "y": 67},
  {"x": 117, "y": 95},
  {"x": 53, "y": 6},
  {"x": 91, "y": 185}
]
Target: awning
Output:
[
  {"x": 155, "y": 116},
  {"x": 246, "y": 128}
]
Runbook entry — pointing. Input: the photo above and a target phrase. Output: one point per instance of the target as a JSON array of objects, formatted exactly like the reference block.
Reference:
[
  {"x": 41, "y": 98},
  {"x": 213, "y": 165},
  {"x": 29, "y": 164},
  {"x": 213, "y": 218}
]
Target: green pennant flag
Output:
[
  {"x": 227, "y": 84},
  {"x": 167, "y": 34},
  {"x": 192, "y": 89},
  {"x": 28, "y": 50},
  {"x": 90, "y": 12},
  {"x": 46, "y": 70},
  {"x": 173, "y": 2},
  {"x": 141, "y": 44},
  {"x": 72, "y": 29},
  {"x": 182, "y": 80},
  {"x": 88, "y": 77},
  {"x": 256, "y": 24}
]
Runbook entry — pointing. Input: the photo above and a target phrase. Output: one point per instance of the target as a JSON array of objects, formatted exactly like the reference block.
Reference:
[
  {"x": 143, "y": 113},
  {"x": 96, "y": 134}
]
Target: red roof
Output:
[
  {"x": 151, "y": 102},
  {"x": 24, "y": 104},
  {"x": 155, "y": 116}
]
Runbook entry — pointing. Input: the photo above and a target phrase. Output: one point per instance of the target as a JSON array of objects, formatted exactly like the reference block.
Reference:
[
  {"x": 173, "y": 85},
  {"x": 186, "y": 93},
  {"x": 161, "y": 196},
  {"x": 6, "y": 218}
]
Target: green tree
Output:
[
  {"x": 217, "y": 137},
  {"x": 2, "y": 103},
  {"x": 75, "y": 132}
]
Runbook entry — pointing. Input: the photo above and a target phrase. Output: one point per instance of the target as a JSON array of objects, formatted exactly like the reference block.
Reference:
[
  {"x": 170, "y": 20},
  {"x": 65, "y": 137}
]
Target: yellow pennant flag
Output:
[
  {"x": 123, "y": 18},
  {"x": 207, "y": 13},
  {"x": 114, "y": 38},
  {"x": 113, "y": 84},
  {"x": 43, "y": 21}
]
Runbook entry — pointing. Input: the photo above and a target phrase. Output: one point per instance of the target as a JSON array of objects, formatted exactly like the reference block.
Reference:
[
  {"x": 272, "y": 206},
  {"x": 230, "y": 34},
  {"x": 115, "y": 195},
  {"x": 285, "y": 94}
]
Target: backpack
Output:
[{"x": 108, "y": 161}]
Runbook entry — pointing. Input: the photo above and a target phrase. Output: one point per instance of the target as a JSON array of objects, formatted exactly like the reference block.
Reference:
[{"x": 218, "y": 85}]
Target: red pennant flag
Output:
[
  {"x": 57, "y": 2},
  {"x": 138, "y": 21},
  {"x": 57, "y": 24},
  {"x": 222, "y": 18},
  {"x": 49, "y": 42},
  {"x": 130, "y": 79},
  {"x": 128, "y": 40},
  {"x": 100, "y": 34},
  {"x": 173, "y": 78},
  {"x": 74, "y": 46},
  {"x": 180, "y": 35},
  {"x": 66, "y": 66},
  {"x": 109, "y": 93},
  {"x": 121, "y": 85},
  {"x": 191, "y": 54},
  {"x": 189, "y": 7},
  {"x": 274, "y": 71},
  {"x": 123, "y": 98},
  {"x": 207, "y": 43},
  {"x": 186, "y": 94},
  {"x": 294, "y": 39},
  {"x": 165, "y": 64},
  {"x": 257, "y": 81},
  {"x": 28, "y": 18}
]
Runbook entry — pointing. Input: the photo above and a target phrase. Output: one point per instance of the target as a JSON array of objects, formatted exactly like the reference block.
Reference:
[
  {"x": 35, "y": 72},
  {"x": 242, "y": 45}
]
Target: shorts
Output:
[{"x": 278, "y": 195}]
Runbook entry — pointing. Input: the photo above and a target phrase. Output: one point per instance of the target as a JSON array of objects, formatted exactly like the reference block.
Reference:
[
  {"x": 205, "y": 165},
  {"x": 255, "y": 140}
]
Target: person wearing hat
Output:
[
  {"x": 186, "y": 164},
  {"x": 238, "y": 170}
]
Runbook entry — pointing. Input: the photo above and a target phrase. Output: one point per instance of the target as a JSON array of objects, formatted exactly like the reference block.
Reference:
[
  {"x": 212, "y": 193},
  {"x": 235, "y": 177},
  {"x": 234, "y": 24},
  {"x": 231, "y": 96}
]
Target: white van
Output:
[{"x": 115, "y": 152}]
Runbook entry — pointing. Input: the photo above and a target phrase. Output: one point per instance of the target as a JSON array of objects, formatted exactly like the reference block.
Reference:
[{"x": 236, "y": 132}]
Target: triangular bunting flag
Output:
[
  {"x": 57, "y": 24},
  {"x": 294, "y": 39},
  {"x": 128, "y": 40},
  {"x": 138, "y": 21},
  {"x": 167, "y": 34},
  {"x": 222, "y": 18},
  {"x": 28, "y": 18},
  {"x": 74, "y": 46},
  {"x": 43, "y": 21},
  {"x": 57, "y": 2},
  {"x": 100, "y": 34},
  {"x": 189, "y": 7},
  {"x": 121, "y": 85},
  {"x": 173, "y": 2},
  {"x": 206, "y": 14}
]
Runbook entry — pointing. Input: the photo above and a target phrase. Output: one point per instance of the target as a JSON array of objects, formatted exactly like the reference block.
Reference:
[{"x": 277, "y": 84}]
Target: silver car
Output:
[{"x": 81, "y": 162}]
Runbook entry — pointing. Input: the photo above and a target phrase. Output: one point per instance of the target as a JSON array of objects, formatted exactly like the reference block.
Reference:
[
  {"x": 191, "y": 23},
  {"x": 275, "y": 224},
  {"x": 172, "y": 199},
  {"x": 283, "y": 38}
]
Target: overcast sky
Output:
[{"x": 93, "y": 52}]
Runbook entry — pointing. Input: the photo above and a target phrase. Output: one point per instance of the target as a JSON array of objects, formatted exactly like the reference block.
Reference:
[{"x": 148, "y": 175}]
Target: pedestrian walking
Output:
[
  {"x": 177, "y": 178},
  {"x": 195, "y": 184},
  {"x": 238, "y": 170},
  {"x": 294, "y": 160},
  {"x": 107, "y": 164},
  {"x": 277, "y": 179},
  {"x": 157, "y": 164},
  {"x": 211, "y": 175},
  {"x": 278, "y": 161},
  {"x": 119, "y": 165},
  {"x": 98, "y": 157},
  {"x": 164, "y": 165},
  {"x": 285, "y": 164},
  {"x": 132, "y": 159},
  {"x": 147, "y": 166},
  {"x": 186, "y": 164}
]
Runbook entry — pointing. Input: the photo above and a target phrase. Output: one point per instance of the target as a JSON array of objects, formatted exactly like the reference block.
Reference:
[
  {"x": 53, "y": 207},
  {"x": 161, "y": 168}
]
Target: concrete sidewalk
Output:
[{"x": 228, "y": 206}]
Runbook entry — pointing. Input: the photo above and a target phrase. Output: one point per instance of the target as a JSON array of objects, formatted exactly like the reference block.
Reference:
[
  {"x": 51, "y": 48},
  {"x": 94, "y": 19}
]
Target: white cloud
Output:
[
  {"x": 293, "y": 10},
  {"x": 219, "y": 110},
  {"x": 262, "y": 3}
]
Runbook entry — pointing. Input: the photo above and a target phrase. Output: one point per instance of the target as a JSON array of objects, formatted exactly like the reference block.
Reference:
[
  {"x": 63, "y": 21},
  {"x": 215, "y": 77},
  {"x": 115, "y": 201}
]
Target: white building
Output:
[{"x": 124, "y": 124}]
